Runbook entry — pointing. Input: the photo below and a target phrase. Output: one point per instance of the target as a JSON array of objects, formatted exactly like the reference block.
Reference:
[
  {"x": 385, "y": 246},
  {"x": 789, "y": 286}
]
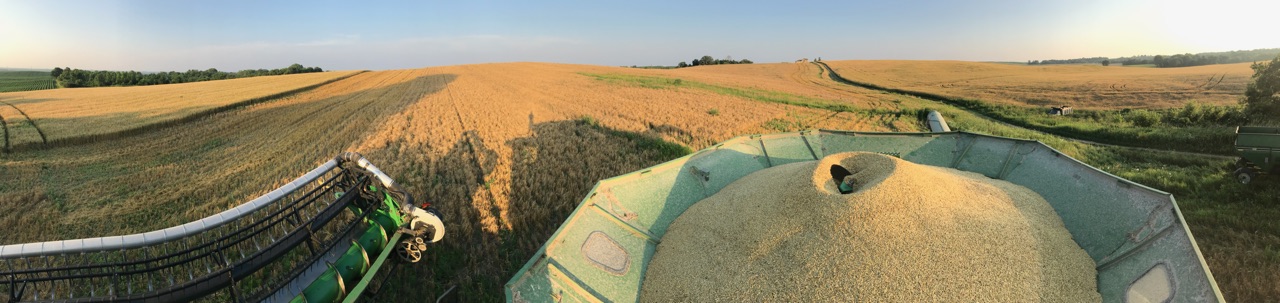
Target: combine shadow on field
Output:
[
  {"x": 459, "y": 186},
  {"x": 551, "y": 171}
]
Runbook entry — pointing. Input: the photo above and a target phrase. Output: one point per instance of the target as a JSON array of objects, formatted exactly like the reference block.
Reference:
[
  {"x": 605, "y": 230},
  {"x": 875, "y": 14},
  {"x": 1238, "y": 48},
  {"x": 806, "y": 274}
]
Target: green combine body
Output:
[
  {"x": 1136, "y": 235},
  {"x": 1259, "y": 149}
]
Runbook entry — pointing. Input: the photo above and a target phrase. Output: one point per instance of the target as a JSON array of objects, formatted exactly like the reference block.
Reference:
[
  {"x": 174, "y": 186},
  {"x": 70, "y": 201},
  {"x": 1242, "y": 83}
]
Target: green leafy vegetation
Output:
[
  {"x": 1195, "y": 127},
  {"x": 1262, "y": 97},
  {"x": 708, "y": 60},
  {"x": 666, "y": 150},
  {"x": 1177, "y": 60},
  {"x": 69, "y": 77}
]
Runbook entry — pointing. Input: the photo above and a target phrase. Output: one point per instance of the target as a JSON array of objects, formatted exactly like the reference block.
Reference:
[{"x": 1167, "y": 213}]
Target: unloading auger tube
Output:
[{"x": 321, "y": 238}]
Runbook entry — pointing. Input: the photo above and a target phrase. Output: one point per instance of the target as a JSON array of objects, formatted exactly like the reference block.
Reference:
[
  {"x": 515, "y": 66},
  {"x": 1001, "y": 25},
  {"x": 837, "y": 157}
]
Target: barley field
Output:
[
  {"x": 505, "y": 151},
  {"x": 63, "y": 114},
  {"x": 1080, "y": 86}
]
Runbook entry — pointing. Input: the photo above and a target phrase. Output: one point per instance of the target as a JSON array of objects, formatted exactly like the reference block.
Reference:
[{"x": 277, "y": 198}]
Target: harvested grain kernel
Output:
[{"x": 908, "y": 233}]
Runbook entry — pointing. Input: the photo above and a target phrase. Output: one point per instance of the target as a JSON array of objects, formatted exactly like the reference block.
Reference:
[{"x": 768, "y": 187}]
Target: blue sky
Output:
[{"x": 234, "y": 35}]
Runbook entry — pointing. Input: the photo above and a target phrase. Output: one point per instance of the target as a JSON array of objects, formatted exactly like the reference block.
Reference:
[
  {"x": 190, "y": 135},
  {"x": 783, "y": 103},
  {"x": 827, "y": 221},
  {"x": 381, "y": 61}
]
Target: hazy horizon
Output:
[{"x": 230, "y": 36}]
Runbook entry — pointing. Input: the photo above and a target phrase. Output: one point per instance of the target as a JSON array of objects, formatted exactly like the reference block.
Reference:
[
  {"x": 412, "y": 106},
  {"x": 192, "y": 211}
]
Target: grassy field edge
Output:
[{"x": 1188, "y": 139}]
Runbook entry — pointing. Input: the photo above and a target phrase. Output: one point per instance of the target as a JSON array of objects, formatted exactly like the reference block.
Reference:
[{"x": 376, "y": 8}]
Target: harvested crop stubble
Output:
[{"x": 907, "y": 233}]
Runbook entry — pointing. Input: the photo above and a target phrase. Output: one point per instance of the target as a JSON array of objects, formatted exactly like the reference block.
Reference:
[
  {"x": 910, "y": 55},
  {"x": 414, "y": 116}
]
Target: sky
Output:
[{"x": 378, "y": 35}]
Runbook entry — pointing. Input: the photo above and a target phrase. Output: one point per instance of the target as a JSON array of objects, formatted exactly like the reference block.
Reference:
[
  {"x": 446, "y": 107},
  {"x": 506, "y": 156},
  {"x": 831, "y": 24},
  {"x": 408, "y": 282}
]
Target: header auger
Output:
[{"x": 321, "y": 238}]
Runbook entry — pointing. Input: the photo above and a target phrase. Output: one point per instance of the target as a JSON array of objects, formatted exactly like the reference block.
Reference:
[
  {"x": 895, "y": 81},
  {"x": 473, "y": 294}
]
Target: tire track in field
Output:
[
  {"x": 471, "y": 136},
  {"x": 801, "y": 69},
  {"x": 43, "y": 140},
  {"x": 831, "y": 73},
  {"x": 855, "y": 119}
]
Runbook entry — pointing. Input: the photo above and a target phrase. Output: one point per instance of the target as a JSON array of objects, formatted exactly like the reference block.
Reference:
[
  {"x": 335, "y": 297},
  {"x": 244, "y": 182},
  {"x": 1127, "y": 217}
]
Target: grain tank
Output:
[{"x": 1136, "y": 235}]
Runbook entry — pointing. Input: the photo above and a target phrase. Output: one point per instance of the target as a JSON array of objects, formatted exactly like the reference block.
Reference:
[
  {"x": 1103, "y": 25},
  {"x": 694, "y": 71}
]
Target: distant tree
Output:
[
  {"x": 1262, "y": 97},
  {"x": 708, "y": 60},
  {"x": 294, "y": 69},
  {"x": 56, "y": 72},
  {"x": 1106, "y": 62}
]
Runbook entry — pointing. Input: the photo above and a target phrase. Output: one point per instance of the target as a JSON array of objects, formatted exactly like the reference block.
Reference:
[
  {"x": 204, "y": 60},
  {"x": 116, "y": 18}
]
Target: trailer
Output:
[{"x": 1259, "y": 148}]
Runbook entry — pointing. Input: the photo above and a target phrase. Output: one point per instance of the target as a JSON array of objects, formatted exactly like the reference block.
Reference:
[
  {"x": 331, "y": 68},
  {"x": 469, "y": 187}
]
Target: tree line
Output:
[
  {"x": 1262, "y": 97},
  {"x": 1090, "y": 60},
  {"x": 69, "y": 77},
  {"x": 1179, "y": 60},
  {"x": 708, "y": 60}
]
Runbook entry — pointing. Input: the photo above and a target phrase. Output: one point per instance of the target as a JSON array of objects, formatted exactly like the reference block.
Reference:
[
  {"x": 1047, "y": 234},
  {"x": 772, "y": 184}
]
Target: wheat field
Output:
[
  {"x": 67, "y": 113},
  {"x": 505, "y": 151},
  {"x": 1080, "y": 86}
]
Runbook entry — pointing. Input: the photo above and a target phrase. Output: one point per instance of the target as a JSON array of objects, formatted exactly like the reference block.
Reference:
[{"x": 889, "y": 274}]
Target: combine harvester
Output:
[
  {"x": 1136, "y": 235},
  {"x": 321, "y": 238}
]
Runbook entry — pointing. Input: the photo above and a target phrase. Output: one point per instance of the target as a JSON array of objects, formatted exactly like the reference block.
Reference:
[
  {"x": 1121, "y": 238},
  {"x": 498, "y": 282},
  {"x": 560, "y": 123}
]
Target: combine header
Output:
[{"x": 321, "y": 238}]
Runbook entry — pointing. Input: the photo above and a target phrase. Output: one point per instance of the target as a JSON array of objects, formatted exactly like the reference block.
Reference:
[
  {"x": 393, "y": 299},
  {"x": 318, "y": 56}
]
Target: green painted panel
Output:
[
  {"x": 1187, "y": 278},
  {"x": 652, "y": 198},
  {"x": 601, "y": 254},
  {"x": 787, "y": 148},
  {"x": 719, "y": 166},
  {"x": 898, "y": 145},
  {"x": 985, "y": 155}
]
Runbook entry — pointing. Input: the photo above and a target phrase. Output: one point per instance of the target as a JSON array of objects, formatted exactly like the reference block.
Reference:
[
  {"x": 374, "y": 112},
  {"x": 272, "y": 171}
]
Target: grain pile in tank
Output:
[{"x": 906, "y": 233}]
